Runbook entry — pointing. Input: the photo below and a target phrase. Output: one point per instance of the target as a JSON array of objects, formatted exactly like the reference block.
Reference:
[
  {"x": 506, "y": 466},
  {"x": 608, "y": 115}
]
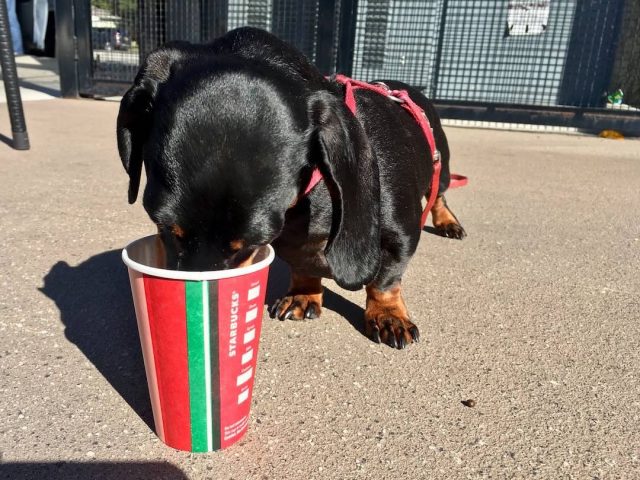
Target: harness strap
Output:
[
  {"x": 405, "y": 101},
  {"x": 457, "y": 181},
  {"x": 316, "y": 176}
]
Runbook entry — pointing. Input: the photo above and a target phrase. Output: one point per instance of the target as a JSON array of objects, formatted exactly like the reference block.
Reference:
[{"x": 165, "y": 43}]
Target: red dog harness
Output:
[{"x": 405, "y": 101}]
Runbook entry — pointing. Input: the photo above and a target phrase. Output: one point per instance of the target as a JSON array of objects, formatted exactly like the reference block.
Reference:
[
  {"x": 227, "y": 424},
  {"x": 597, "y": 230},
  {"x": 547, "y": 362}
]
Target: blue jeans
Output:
[
  {"x": 40, "y": 18},
  {"x": 16, "y": 33}
]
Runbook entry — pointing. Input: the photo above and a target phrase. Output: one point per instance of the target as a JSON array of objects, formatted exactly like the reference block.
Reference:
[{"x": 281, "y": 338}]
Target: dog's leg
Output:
[
  {"x": 444, "y": 221},
  {"x": 304, "y": 299},
  {"x": 386, "y": 317}
]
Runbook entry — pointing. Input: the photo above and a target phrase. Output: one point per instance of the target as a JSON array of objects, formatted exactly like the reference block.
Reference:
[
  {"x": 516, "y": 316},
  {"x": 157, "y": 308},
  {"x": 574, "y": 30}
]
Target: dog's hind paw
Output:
[
  {"x": 297, "y": 307},
  {"x": 451, "y": 230},
  {"x": 444, "y": 221}
]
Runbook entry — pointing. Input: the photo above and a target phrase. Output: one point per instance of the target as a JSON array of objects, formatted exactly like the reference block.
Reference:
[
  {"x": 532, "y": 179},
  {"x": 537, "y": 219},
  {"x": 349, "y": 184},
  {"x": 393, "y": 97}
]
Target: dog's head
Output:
[{"x": 227, "y": 145}]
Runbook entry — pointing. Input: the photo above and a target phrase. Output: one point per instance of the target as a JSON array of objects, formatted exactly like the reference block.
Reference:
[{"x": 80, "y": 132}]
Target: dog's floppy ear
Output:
[
  {"x": 350, "y": 171},
  {"x": 136, "y": 111}
]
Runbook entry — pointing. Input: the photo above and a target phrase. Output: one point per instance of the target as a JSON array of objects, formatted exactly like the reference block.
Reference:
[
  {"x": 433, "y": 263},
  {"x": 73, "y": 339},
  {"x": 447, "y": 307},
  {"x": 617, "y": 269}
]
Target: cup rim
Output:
[{"x": 194, "y": 276}]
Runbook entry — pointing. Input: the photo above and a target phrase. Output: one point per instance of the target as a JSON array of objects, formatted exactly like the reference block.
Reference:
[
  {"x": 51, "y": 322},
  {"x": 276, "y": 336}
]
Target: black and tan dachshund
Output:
[{"x": 229, "y": 134}]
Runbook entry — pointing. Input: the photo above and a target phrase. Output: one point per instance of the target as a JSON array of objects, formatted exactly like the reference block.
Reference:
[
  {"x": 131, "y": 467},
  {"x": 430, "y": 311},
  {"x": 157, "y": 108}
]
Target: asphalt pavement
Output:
[{"x": 534, "y": 316}]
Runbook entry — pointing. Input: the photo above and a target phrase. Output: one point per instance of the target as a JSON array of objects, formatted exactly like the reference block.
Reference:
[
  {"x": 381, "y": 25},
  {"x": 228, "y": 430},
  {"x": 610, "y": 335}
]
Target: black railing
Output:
[{"x": 20, "y": 138}]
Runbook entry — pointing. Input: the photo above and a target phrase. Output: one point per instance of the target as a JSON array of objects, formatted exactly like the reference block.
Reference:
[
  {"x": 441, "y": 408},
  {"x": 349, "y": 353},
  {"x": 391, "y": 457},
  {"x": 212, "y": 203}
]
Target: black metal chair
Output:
[{"x": 11, "y": 87}]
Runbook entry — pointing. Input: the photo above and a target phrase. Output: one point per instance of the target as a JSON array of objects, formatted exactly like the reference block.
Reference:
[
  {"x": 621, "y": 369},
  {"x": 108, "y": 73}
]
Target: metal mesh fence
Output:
[
  {"x": 511, "y": 55},
  {"x": 525, "y": 52},
  {"x": 531, "y": 52},
  {"x": 397, "y": 41},
  {"x": 125, "y": 31},
  {"x": 115, "y": 30}
]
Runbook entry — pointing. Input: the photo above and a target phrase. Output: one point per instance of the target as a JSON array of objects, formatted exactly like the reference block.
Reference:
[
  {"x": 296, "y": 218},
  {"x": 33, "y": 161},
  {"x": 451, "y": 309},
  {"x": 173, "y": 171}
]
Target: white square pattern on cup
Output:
[
  {"x": 244, "y": 377},
  {"x": 251, "y": 315},
  {"x": 253, "y": 293},
  {"x": 249, "y": 336},
  {"x": 247, "y": 356},
  {"x": 243, "y": 396}
]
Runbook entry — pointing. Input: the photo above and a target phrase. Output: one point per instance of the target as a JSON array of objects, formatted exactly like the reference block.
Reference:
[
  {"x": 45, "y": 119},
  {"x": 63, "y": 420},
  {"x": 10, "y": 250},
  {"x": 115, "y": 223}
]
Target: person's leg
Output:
[
  {"x": 14, "y": 26},
  {"x": 40, "y": 16}
]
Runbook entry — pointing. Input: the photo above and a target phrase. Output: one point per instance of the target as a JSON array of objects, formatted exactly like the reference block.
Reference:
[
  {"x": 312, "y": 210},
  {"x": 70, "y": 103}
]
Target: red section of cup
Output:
[{"x": 199, "y": 333}]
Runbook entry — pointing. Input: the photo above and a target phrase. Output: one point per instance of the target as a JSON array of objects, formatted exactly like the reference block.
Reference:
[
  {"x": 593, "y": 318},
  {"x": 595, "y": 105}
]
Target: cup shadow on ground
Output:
[{"x": 96, "y": 308}]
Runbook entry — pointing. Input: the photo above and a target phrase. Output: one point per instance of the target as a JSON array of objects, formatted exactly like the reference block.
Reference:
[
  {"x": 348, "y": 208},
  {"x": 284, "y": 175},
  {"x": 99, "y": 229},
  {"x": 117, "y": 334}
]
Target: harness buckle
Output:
[
  {"x": 436, "y": 156},
  {"x": 383, "y": 85}
]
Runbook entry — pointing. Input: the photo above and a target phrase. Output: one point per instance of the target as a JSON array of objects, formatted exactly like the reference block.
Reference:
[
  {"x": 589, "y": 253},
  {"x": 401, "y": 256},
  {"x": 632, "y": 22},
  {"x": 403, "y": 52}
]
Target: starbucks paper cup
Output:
[{"x": 199, "y": 333}]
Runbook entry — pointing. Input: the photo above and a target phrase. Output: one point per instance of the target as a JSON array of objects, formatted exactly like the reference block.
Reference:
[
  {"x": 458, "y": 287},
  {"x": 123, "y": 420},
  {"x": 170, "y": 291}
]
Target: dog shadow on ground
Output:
[
  {"x": 433, "y": 231},
  {"x": 87, "y": 470},
  {"x": 96, "y": 308}
]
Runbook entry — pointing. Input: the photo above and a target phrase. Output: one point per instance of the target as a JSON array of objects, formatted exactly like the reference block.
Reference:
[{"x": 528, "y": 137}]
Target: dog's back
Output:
[{"x": 255, "y": 45}]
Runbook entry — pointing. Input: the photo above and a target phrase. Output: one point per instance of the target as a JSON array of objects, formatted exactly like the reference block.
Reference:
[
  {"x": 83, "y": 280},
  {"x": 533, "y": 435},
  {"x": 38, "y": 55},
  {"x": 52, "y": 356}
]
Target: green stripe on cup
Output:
[{"x": 199, "y": 367}]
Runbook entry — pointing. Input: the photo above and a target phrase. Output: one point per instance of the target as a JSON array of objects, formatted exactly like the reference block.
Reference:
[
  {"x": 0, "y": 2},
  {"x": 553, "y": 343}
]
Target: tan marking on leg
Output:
[
  {"x": 441, "y": 215},
  {"x": 301, "y": 284},
  {"x": 386, "y": 316},
  {"x": 386, "y": 302},
  {"x": 445, "y": 221}
]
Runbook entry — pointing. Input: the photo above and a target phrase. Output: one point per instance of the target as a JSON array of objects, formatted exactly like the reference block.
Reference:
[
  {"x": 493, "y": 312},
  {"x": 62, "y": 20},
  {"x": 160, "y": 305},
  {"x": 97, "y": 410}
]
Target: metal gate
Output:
[
  {"x": 124, "y": 32},
  {"x": 544, "y": 54}
]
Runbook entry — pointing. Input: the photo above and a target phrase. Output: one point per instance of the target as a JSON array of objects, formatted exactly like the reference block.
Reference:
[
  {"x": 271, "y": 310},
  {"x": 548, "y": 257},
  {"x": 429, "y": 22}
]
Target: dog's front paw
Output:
[
  {"x": 386, "y": 318},
  {"x": 386, "y": 327},
  {"x": 304, "y": 299},
  {"x": 297, "y": 307}
]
